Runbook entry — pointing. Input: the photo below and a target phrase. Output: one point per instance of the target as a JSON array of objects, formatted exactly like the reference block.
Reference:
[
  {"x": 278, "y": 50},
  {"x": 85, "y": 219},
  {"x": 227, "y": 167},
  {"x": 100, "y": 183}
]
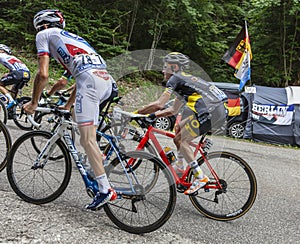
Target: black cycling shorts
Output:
[
  {"x": 196, "y": 125},
  {"x": 18, "y": 78}
]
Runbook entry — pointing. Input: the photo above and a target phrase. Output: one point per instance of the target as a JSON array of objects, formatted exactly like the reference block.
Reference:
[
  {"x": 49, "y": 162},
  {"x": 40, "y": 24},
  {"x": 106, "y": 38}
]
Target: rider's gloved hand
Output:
[
  {"x": 45, "y": 94},
  {"x": 65, "y": 93},
  {"x": 152, "y": 116}
]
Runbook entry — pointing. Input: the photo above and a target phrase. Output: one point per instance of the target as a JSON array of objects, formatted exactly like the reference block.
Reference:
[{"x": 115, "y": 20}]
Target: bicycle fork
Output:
[{"x": 44, "y": 155}]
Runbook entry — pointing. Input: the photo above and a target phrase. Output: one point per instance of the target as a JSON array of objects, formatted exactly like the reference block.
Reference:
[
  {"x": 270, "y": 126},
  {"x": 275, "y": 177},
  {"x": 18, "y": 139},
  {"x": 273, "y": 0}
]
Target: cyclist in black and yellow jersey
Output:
[{"x": 199, "y": 98}]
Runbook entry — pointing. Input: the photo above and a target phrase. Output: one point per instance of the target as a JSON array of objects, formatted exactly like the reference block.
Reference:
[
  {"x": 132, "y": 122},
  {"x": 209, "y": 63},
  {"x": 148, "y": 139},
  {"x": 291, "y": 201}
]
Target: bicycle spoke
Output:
[
  {"x": 238, "y": 190},
  {"x": 38, "y": 183},
  {"x": 148, "y": 211}
]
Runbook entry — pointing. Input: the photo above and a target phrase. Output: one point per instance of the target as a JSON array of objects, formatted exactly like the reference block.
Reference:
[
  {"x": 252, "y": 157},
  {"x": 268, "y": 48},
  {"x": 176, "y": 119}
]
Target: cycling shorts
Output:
[
  {"x": 196, "y": 125},
  {"x": 92, "y": 88},
  {"x": 17, "y": 77},
  {"x": 113, "y": 94}
]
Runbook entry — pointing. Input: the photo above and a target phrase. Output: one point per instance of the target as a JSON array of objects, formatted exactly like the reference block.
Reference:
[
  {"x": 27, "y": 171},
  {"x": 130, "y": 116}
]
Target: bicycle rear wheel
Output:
[
  {"x": 40, "y": 181},
  {"x": 153, "y": 202},
  {"x": 5, "y": 145},
  {"x": 19, "y": 116},
  {"x": 239, "y": 187}
]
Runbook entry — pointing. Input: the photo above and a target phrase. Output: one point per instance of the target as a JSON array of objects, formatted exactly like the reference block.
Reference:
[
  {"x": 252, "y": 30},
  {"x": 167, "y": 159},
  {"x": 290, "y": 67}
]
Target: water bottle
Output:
[
  {"x": 207, "y": 145},
  {"x": 170, "y": 155}
]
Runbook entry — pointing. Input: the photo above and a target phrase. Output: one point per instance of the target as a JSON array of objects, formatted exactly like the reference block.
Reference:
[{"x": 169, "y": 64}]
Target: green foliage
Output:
[
  {"x": 202, "y": 29},
  {"x": 275, "y": 44}
]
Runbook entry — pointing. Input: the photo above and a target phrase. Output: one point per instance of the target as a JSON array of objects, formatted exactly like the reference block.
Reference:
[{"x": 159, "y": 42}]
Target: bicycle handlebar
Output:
[
  {"x": 57, "y": 111},
  {"x": 130, "y": 114},
  {"x": 31, "y": 120}
]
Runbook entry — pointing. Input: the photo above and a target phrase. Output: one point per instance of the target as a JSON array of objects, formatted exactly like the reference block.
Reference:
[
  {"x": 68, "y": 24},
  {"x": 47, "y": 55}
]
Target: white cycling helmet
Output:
[
  {"x": 48, "y": 18},
  {"x": 5, "y": 48}
]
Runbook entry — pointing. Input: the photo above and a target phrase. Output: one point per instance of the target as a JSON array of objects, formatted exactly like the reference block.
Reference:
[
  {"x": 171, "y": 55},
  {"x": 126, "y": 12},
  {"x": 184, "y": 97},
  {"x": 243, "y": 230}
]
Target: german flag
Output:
[
  {"x": 236, "y": 50},
  {"x": 234, "y": 104},
  {"x": 239, "y": 55}
]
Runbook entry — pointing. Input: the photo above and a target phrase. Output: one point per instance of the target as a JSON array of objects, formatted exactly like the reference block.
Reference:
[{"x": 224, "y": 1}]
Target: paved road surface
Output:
[{"x": 274, "y": 218}]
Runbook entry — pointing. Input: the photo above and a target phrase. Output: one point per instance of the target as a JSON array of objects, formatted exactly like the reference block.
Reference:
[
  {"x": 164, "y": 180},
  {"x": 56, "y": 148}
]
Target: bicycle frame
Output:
[
  {"x": 150, "y": 135},
  {"x": 115, "y": 149},
  {"x": 91, "y": 184}
]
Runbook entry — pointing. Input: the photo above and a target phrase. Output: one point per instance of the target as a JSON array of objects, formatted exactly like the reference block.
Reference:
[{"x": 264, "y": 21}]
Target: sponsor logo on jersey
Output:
[{"x": 65, "y": 57}]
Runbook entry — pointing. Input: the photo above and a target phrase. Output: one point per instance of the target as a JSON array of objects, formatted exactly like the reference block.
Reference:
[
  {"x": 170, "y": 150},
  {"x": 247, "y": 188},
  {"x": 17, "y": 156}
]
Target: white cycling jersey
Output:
[
  {"x": 12, "y": 63},
  {"x": 93, "y": 84},
  {"x": 71, "y": 50}
]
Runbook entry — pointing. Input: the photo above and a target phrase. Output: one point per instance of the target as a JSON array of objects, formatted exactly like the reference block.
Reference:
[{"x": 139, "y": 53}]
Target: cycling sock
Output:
[
  {"x": 180, "y": 159},
  {"x": 103, "y": 183},
  {"x": 198, "y": 173},
  {"x": 10, "y": 99},
  {"x": 180, "y": 156}
]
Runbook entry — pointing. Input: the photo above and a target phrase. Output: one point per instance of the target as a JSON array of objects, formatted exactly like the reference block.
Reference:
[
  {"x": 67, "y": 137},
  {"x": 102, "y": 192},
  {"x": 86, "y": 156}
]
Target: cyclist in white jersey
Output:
[
  {"x": 18, "y": 75},
  {"x": 93, "y": 85}
]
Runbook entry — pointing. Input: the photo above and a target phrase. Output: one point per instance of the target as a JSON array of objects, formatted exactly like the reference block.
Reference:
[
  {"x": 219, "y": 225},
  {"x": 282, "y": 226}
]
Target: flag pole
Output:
[
  {"x": 251, "y": 96},
  {"x": 248, "y": 46}
]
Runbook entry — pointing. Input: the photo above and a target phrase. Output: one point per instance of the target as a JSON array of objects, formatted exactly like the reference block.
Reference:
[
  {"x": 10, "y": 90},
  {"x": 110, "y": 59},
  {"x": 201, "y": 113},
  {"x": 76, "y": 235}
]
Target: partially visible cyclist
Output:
[
  {"x": 196, "y": 117},
  {"x": 18, "y": 75},
  {"x": 93, "y": 85},
  {"x": 58, "y": 85}
]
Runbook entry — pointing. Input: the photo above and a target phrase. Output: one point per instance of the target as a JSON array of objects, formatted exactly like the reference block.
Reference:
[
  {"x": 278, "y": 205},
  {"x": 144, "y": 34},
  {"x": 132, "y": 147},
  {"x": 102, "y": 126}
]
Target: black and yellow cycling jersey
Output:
[
  {"x": 191, "y": 89},
  {"x": 202, "y": 98}
]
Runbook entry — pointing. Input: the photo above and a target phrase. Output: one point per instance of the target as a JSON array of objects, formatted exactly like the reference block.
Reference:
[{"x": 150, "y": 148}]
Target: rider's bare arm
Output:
[
  {"x": 41, "y": 78},
  {"x": 173, "y": 110},
  {"x": 154, "y": 106}
]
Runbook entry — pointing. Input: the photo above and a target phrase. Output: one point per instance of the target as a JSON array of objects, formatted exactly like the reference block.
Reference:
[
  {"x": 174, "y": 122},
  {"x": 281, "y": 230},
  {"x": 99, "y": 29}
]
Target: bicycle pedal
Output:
[
  {"x": 95, "y": 209},
  {"x": 90, "y": 192},
  {"x": 180, "y": 188}
]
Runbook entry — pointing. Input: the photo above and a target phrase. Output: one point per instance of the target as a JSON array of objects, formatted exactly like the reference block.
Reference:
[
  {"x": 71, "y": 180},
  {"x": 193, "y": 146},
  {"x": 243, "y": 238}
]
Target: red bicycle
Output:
[{"x": 232, "y": 188}]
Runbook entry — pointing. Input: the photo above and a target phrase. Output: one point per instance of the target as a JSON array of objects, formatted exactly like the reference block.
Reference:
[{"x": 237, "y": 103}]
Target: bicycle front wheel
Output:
[
  {"x": 36, "y": 180},
  {"x": 5, "y": 144},
  {"x": 239, "y": 187},
  {"x": 150, "y": 204},
  {"x": 3, "y": 112}
]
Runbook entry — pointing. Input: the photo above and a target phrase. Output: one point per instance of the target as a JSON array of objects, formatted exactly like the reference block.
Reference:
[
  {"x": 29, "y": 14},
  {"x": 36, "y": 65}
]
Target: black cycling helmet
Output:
[
  {"x": 48, "y": 18},
  {"x": 177, "y": 58},
  {"x": 5, "y": 48}
]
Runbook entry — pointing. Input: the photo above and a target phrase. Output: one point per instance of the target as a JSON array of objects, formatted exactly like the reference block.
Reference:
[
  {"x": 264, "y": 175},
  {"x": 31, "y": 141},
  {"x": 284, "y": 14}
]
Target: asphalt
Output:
[{"x": 274, "y": 217}]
